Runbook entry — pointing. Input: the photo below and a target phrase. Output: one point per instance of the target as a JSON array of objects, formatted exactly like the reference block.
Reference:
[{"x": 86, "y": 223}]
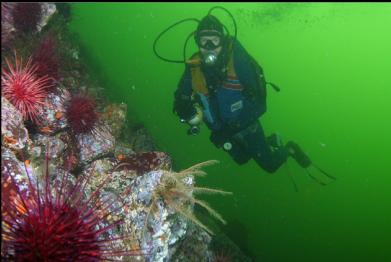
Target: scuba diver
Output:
[{"x": 224, "y": 87}]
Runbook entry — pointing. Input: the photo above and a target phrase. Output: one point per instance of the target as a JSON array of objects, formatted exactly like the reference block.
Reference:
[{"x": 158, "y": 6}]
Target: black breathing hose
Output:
[
  {"x": 163, "y": 32},
  {"x": 232, "y": 17},
  {"x": 187, "y": 39},
  {"x": 184, "y": 48}
]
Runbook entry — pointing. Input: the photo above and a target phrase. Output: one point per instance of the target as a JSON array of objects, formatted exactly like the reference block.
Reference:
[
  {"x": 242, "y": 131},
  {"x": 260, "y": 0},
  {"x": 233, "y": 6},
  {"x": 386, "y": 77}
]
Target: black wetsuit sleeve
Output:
[
  {"x": 183, "y": 104},
  {"x": 250, "y": 75}
]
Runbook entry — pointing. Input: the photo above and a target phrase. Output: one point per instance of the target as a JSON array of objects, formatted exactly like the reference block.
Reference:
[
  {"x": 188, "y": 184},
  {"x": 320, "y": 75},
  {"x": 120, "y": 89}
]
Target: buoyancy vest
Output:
[
  {"x": 199, "y": 84},
  {"x": 230, "y": 98}
]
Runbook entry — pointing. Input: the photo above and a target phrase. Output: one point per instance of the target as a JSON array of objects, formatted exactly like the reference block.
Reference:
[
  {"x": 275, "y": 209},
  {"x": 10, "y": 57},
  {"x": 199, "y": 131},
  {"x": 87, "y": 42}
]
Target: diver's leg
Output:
[
  {"x": 270, "y": 160},
  {"x": 298, "y": 154},
  {"x": 234, "y": 148},
  {"x": 238, "y": 153}
]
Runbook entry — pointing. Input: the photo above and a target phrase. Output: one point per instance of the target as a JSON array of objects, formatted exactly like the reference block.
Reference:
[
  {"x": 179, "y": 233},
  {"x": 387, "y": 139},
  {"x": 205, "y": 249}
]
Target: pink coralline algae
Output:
[{"x": 144, "y": 162}]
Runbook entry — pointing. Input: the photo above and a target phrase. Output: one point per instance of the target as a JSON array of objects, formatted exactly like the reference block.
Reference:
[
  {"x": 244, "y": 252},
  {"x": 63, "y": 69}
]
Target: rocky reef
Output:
[{"x": 130, "y": 202}]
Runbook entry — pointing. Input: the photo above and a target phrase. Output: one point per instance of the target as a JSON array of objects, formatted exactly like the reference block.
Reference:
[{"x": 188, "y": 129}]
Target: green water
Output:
[{"x": 333, "y": 64}]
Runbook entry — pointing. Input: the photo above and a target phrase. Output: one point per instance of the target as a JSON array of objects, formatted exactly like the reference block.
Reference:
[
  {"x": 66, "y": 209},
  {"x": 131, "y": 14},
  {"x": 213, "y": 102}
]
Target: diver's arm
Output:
[
  {"x": 251, "y": 77},
  {"x": 183, "y": 104}
]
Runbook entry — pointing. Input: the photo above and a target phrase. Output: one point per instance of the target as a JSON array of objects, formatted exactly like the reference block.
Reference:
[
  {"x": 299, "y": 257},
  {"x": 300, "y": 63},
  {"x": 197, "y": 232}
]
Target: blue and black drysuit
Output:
[{"x": 232, "y": 108}]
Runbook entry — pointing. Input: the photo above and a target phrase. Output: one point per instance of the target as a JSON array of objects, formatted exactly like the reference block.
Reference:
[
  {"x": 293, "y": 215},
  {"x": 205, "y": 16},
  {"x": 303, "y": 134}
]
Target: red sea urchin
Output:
[
  {"x": 81, "y": 114},
  {"x": 46, "y": 58},
  {"x": 23, "y": 88},
  {"x": 26, "y": 16},
  {"x": 57, "y": 224}
]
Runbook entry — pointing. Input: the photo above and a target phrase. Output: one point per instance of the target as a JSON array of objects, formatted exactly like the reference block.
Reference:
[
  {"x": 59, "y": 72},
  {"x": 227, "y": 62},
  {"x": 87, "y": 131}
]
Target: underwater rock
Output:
[
  {"x": 116, "y": 188},
  {"x": 145, "y": 162},
  {"x": 160, "y": 208},
  {"x": 99, "y": 143},
  {"x": 75, "y": 54},
  {"x": 11, "y": 169},
  {"x": 48, "y": 9},
  {"x": 224, "y": 249},
  {"x": 141, "y": 141},
  {"x": 114, "y": 115},
  {"x": 53, "y": 145},
  {"x": 194, "y": 246},
  {"x": 122, "y": 150},
  {"x": 71, "y": 157},
  {"x": 7, "y": 27},
  {"x": 10, "y": 165},
  {"x": 71, "y": 81},
  {"x": 158, "y": 230},
  {"x": 104, "y": 166},
  {"x": 52, "y": 115},
  {"x": 13, "y": 132}
]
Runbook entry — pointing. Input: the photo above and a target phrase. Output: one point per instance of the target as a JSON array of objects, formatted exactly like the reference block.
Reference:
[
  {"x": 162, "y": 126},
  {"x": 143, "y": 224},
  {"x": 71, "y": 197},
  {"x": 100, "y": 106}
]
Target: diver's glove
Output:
[{"x": 184, "y": 107}]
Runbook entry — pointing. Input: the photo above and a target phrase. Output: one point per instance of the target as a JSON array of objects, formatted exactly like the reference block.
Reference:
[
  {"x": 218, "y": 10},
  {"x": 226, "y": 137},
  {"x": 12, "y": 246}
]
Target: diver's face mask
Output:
[
  {"x": 210, "y": 45},
  {"x": 210, "y": 42}
]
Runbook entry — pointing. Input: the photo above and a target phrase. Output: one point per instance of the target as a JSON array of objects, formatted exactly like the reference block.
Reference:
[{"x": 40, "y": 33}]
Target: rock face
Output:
[
  {"x": 153, "y": 233},
  {"x": 6, "y": 22},
  {"x": 157, "y": 230},
  {"x": 94, "y": 145},
  {"x": 114, "y": 115},
  {"x": 51, "y": 117},
  {"x": 141, "y": 140},
  {"x": 194, "y": 246},
  {"x": 48, "y": 9},
  {"x": 13, "y": 132},
  {"x": 131, "y": 173}
]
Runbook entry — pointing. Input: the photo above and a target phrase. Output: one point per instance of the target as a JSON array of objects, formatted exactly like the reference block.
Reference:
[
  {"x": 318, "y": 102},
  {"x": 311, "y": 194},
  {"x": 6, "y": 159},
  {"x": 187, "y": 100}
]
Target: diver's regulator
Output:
[
  {"x": 210, "y": 58},
  {"x": 194, "y": 122}
]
